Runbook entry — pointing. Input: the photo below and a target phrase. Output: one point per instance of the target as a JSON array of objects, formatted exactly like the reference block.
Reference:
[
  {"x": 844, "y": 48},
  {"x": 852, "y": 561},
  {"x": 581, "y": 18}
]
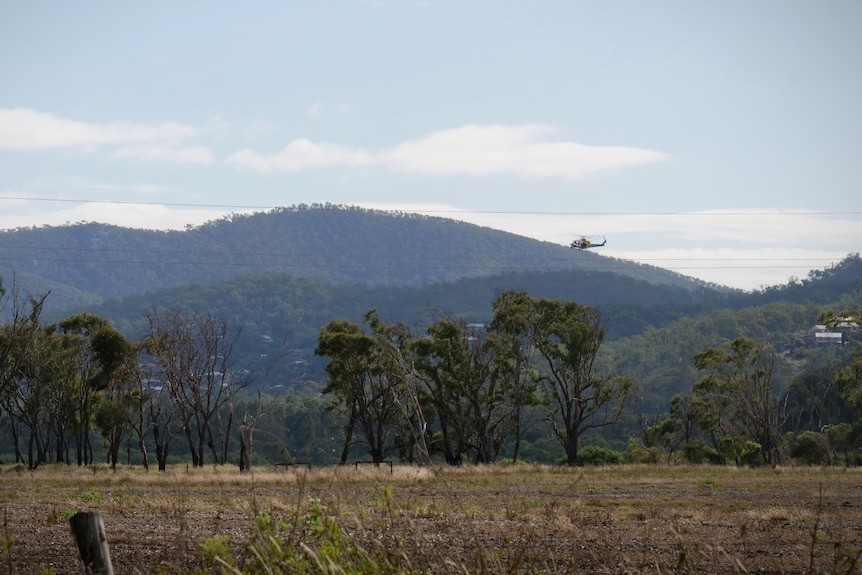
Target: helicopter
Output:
[{"x": 585, "y": 242}]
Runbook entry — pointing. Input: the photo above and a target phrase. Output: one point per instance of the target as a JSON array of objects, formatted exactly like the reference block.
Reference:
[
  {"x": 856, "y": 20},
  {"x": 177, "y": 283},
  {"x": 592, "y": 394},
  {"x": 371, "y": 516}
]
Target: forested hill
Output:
[
  {"x": 341, "y": 245},
  {"x": 277, "y": 306},
  {"x": 274, "y": 303}
]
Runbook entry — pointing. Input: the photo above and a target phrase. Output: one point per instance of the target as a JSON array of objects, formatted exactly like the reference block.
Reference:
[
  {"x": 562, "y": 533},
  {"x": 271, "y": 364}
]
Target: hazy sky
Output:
[{"x": 720, "y": 139}]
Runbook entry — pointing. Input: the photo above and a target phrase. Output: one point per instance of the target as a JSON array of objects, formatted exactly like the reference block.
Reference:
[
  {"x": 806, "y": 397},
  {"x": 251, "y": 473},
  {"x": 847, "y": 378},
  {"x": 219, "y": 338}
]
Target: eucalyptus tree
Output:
[
  {"x": 736, "y": 400},
  {"x": 510, "y": 331},
  {"x": 194, "y": 357},
  {"x": 813, "y": 399},
  {"x": 365, "y": 380},
  {"x": 566, "y": 337},
  {"x": 102, "y": 361},
  {"x": 443, "y": 359},
  {"x": 30, "y": 402},
  {"x": 471, "y": 391},
  {"x": 848, "y": 378},
  {"x": 38, "y": 382},
  {"x": 57, "y": 372},
  {"x": 396, "y": 344},
  {"x": 18, "y": 336},
  {"x": 41, "y": 400},
  {"x": 118, "y": 380}
]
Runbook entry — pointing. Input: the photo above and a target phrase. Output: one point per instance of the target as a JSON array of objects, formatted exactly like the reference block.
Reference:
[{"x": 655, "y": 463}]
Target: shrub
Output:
[
  {"x": 699, "y": 452},
  {"x": 637, "y": 453},
  {"x": 812, "y": 448},
  {"x": 751, "y": 454},
  {"x": 312, "y": 543},
  {"x": 595, "y": 455}
]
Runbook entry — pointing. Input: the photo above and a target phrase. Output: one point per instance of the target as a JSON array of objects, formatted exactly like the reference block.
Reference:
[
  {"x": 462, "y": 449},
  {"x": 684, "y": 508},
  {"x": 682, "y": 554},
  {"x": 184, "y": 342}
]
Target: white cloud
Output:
[
  {"x": 27, "y": 129},
  {"x": 470, "y": 150},
  {"x": 300, "y": 155},
  {"x": 513, "y": 150},
  {"x": 739, "y": 267}
]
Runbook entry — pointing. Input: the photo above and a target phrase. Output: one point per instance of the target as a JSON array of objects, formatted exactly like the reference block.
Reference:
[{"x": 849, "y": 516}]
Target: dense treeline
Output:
[{"x": 389, "y": 389}]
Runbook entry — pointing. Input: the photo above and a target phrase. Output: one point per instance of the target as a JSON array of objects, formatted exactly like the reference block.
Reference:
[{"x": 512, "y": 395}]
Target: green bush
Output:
[
  {"x": 595, "y": 455},
  {"x": 812, "y": 448},
  {"x": 637, "y": 453},
  {"x": 751, "y": 454},
  {"x": 699, "y": 452}
]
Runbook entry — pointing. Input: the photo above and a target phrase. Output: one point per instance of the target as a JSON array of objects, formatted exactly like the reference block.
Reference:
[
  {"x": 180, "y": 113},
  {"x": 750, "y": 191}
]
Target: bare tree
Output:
[
  {"x": 194, "y": 353},
  {"x": 262, "y": 405}
]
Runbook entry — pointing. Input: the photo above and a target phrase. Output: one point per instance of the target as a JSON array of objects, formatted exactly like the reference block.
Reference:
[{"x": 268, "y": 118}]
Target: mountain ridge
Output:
[{"x": 340, "y": 244}]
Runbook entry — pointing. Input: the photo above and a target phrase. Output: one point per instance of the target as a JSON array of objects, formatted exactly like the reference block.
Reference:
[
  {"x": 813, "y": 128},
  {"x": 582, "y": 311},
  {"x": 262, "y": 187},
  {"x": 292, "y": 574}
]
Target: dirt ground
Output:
[{"x": 619, "y": 519}]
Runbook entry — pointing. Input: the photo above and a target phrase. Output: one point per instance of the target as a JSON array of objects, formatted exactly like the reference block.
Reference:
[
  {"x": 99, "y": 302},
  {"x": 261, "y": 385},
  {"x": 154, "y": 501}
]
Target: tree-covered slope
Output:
[
  {"x": 653, "y": 333},
  {"x": 266, "y": 302},
  {"x": 661, "y": 358}
]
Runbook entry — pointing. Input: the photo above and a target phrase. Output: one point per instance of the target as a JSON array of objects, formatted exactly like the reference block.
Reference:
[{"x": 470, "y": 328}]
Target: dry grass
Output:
[{"x": 620, "y": 519}]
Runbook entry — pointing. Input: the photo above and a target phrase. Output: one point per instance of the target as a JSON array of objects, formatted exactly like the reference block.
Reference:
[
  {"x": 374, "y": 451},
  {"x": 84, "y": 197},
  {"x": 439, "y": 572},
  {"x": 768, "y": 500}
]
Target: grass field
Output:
[{"x": 496, "y": 519}]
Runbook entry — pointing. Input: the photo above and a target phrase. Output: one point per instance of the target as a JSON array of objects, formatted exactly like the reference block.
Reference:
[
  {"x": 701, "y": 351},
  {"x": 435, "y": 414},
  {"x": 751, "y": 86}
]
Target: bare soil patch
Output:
[{"x": 620, "y": 519}]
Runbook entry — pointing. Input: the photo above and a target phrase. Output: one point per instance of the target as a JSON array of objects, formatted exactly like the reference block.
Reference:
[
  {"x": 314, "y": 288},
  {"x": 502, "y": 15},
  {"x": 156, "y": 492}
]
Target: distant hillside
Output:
[
  {"x": 341, "y": 245},
  {"x": 270, "y": 303},
  {"x": 654, "y": 330},
  {"x": 270, "y": 308},
  {"x": 661, "y": 358}
]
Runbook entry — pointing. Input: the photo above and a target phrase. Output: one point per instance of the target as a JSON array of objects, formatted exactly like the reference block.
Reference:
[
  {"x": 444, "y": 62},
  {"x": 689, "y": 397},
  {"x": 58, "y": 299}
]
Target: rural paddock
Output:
[{"x": 618, "y": 519}]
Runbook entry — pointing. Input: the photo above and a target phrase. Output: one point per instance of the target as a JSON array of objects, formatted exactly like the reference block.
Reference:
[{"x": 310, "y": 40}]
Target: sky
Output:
[{"x": 722, "y": 140}]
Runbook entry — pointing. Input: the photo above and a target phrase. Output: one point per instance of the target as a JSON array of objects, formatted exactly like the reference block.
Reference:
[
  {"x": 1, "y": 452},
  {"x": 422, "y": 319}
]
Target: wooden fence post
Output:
[{"x": 88, "y": 529}]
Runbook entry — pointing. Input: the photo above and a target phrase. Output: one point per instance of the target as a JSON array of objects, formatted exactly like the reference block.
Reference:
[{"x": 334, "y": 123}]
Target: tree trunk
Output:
[
  {"x": 450, "y": 456},
  {"x": 226, "y": 436},
  {"x": 245, "y": 437},
  {"x": 348, "y": 436},
  {"x": 161, "y": 448},
  {"x": 517, "y": 446},
  {"x": 142, "y": 446},
  {"x": 572, "y": 448}
]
